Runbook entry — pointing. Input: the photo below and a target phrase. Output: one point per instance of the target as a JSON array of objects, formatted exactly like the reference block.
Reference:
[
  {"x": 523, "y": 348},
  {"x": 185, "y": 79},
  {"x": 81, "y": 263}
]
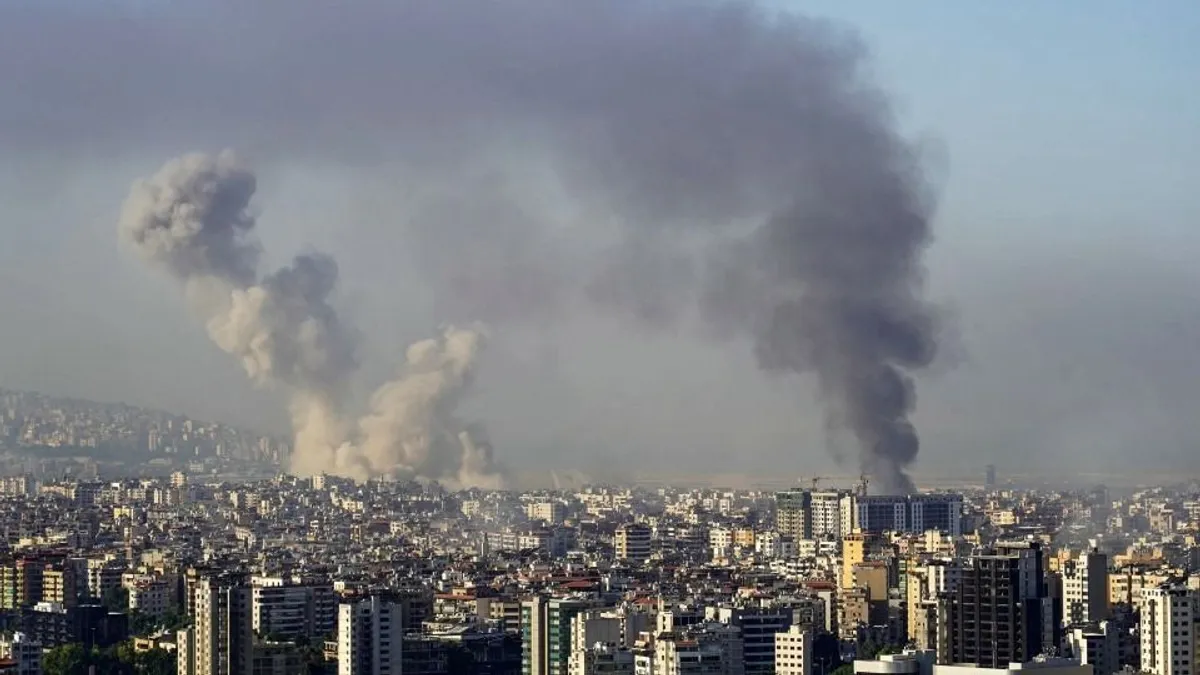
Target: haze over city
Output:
[
  {"x": 599, "y": 337},
  {"x": 1058, "y": 150}
]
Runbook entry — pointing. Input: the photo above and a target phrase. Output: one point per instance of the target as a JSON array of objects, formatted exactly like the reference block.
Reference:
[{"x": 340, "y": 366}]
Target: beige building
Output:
[
  {"x": 632, "y": 543},
  {"x": 793, "y": 652}
]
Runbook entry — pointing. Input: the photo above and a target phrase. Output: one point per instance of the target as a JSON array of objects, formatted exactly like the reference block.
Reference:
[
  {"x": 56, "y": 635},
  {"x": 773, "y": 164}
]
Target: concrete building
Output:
[
  {"x": 601, "y": 659},
  {"x": 370, "y": 636},
  {"x": 632, "y": 543},
  {"x": 276, "y": 658},
  {"x": 925, "y": 584},
  {"x": 150, "y": 594},
  {"x": 793, "y": 651},
  {"x": 1096, "y": 645},
  {"x": 793, "y": 513},
  {"x": 546, "y": 633},
  {"x": 758, "y": 628},
  {"x": 24, "y": 653},
  {"x": 855, "y": 548},
  {"x": 220, "y": 639},
  {"x": 1001, "y": 611},
  {"x": 548, "y": 512},
  {"x": 908, "y": 513},
  {"x": 285, "y": 608},
  {"x": 1168, "y": 630},
  {"x": 684, "y": 655},
  {"x": 830, "y": 512},
  {"x": 1085, "y": 588}
]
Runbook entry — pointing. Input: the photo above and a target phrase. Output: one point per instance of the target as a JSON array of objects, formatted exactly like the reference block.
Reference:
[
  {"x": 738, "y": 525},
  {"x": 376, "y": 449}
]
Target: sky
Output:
[{"x": 1061, "y": 141}]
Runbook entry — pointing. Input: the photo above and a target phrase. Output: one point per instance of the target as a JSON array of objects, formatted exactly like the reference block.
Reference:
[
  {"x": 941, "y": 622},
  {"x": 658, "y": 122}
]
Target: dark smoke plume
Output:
[{"x": 662, "y": 159}]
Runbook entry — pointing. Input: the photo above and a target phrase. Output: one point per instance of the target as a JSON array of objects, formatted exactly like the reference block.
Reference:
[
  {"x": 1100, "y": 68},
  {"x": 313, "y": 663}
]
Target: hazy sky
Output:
[{"x": 1066, "y": 145}]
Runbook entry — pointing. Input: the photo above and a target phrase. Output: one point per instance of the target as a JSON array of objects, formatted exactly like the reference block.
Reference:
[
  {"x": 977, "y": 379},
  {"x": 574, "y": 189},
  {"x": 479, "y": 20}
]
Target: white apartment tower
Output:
[
  {"x": 1085, "y": 588},
  {"x": 1168, "y": 630},
  {"x": 370, "y": 637},
  {"x": 220, "y": 639},
  {"x": 827, "y": 514}
]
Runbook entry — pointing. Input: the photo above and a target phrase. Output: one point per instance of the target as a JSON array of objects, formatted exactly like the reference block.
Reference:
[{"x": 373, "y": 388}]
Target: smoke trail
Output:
[
  {"x": 718, "y": 158},
  {"x": 192, "y": 219}
]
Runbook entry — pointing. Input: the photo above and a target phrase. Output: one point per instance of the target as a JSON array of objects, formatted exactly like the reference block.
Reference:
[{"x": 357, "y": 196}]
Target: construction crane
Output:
[{"x": 813, "y": 481}]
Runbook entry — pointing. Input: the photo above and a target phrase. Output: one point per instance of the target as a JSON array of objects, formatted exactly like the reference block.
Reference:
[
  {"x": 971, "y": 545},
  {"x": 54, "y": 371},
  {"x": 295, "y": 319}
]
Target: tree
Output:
[
  {"x": 72, "y": 659},
  {"x": 65, "y": 660},
  {"x": 155, "y": 662}
]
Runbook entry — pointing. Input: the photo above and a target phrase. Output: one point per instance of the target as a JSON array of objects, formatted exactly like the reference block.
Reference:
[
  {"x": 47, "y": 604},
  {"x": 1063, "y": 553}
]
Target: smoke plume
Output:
[
  {"x": 193, "y": 220},
  {"x": 411, "y": 428},
  {"x": 702, "y": 163}
]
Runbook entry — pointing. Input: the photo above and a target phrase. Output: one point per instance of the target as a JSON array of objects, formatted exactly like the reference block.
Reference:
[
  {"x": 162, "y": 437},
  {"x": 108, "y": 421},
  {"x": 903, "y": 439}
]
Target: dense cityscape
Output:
[
  {"x": 195, "y": 574},
  {"x": 609, "y": 337},
  {"x": 52, "y": 437}
]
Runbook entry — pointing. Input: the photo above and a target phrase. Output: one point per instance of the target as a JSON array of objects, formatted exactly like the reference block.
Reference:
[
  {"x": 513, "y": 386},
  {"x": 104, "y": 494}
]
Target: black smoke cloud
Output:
[{"x": 710, "y": 159}]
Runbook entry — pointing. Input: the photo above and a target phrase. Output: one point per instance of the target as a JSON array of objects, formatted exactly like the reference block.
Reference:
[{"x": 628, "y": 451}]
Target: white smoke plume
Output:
[
  {"x": 193, "y": 220},
  {"x": 411, "y": 429}
]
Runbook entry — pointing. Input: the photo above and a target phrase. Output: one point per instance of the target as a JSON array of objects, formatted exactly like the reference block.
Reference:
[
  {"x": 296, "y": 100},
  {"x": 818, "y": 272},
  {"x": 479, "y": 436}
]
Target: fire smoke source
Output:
[
  {"x": 720, "y": 162},
  {"x": 192, "y": 219}
]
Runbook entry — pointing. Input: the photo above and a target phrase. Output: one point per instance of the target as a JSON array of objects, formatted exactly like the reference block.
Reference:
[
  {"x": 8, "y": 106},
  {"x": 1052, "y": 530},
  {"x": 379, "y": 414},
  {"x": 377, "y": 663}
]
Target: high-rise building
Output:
[
  {"x": 220, "y": 639},
  {"x": 370, "y": 636},
  {"x": 758, "y": 625},
  {"x": 1168, "y": 629},
  {"x": 925, "y": 584},
  {"x": 61, "y": 584},
  {"x": 632, "y": 543},
  {"x": 103, "y": 577},
  {"x": 1096, "y": 645},
  {"x": 793, "y": 513},
  {"x": 276, "y": 658},
  {"x": 291, "y": 609},
  {"x": 855, "y": 549},
  {"x": 1001, "y": 611},
  {"x": 828, "y": 513},
  {"x": 989, "y": 478},
  {"x": 546, "y": 633},
  {"x": 1085, "y": 588}
]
